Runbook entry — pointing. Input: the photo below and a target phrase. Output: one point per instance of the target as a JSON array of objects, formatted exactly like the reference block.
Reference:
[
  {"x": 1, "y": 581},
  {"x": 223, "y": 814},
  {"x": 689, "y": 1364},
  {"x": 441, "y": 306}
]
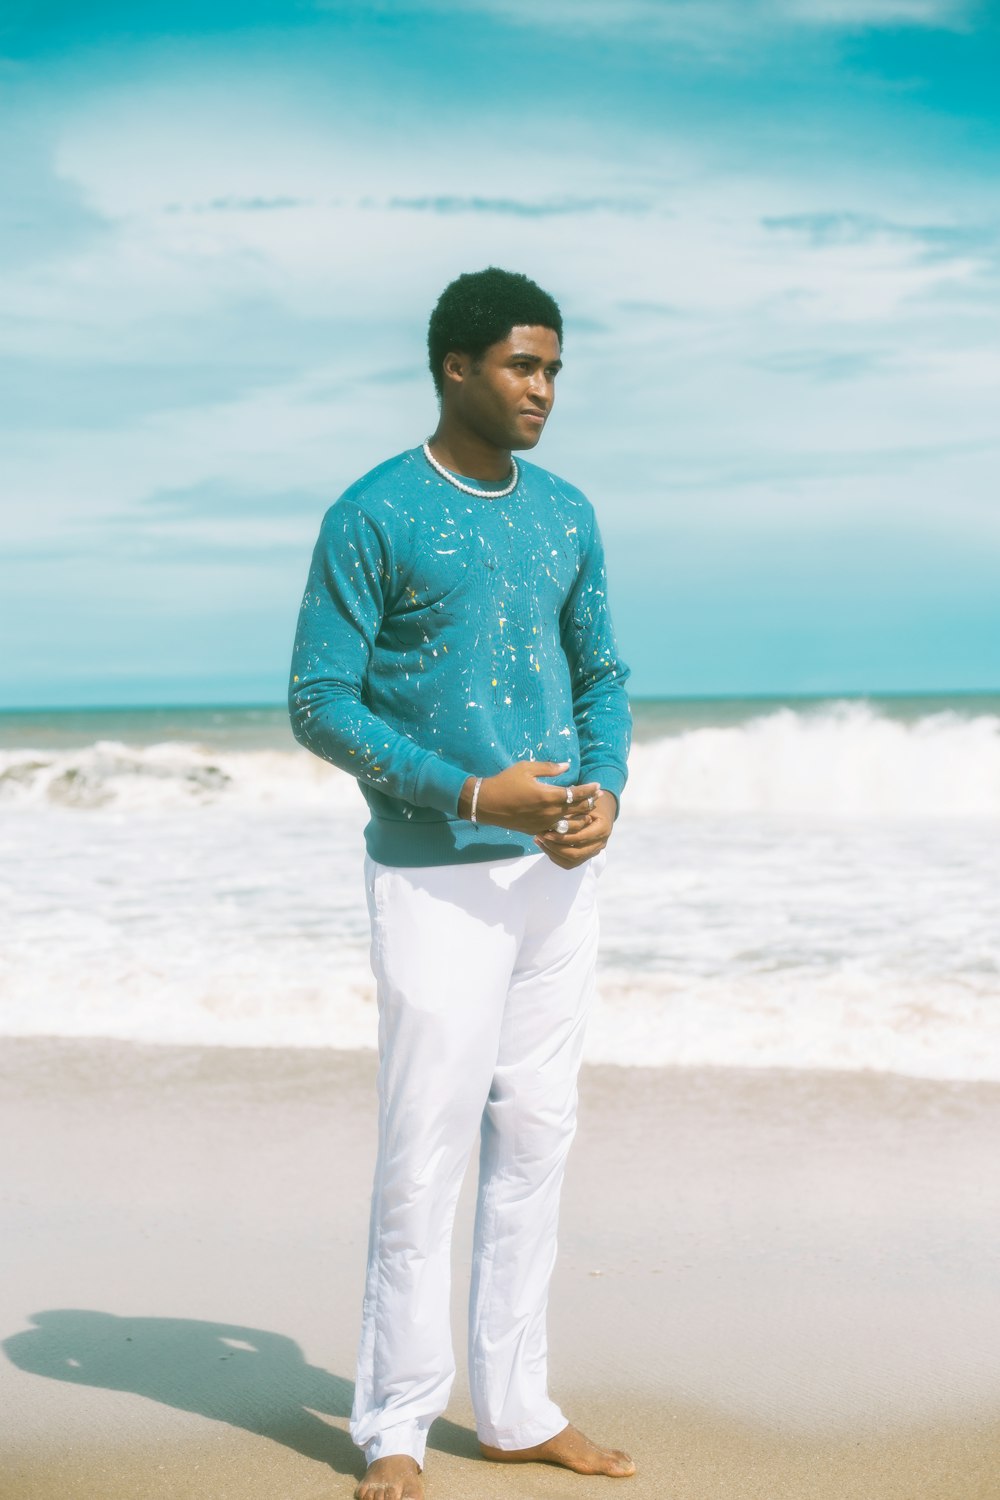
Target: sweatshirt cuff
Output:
[
  {"x": 611, "y": 779},
  {"x": 439, "y": 785}
]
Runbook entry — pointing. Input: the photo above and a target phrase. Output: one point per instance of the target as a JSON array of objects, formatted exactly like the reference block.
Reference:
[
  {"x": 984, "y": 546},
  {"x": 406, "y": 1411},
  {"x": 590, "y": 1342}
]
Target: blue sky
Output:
[{"x": 774, "y": 229}]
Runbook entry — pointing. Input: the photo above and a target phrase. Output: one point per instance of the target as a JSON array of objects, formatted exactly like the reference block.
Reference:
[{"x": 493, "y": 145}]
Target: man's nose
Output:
[{"x": 540, "y": 388}]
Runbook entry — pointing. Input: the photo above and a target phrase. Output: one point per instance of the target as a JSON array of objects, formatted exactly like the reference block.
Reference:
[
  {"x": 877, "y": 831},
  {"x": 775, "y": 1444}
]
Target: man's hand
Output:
[
  {"x": 515, "y": 798},
  {"x": 584, "y": 841}
]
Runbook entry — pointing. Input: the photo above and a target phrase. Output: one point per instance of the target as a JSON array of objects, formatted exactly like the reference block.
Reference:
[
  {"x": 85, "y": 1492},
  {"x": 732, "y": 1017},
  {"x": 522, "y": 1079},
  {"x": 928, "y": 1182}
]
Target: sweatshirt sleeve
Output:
[
  {"x": 601, "y": 709},
  {"x": 339, "y": 620}
]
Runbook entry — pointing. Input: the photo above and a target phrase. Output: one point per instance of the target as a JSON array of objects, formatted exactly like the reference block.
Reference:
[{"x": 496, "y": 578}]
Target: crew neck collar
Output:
[{"x": 486, "y": 485}]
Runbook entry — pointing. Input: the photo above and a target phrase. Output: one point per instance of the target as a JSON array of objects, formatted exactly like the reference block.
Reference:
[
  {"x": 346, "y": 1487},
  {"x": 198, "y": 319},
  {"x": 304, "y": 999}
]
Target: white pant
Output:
[{"x": 485, "y": 974}]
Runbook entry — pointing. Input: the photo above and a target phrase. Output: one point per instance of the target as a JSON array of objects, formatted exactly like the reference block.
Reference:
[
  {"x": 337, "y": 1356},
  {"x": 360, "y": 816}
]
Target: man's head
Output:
[{"x": 495, "y": 343}]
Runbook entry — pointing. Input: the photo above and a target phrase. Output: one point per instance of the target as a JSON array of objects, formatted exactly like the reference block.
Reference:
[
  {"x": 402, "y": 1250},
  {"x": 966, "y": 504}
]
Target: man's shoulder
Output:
[
  {"x": 383, "y": 497},
  {"x": 553, "y": 487},
  {"x": 380, "y": 492}
]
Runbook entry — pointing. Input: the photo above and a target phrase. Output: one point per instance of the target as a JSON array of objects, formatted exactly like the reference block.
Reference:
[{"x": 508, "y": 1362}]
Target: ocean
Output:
[{"x": 798, "y": 883}]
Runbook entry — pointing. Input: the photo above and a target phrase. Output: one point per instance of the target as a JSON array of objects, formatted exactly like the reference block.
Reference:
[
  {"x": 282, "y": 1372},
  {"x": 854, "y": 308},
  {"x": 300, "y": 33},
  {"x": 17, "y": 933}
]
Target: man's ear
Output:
[{"x": 456, "y": 366}]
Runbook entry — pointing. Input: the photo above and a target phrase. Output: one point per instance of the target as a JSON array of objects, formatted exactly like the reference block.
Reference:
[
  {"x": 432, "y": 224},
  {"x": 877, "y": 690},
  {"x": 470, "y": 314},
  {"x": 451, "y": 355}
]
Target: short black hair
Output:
[{"x": 480, "y": 309}]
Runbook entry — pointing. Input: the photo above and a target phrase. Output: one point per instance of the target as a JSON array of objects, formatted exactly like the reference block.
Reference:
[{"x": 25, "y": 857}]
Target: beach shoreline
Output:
[{"x": 770, "y": 1283}]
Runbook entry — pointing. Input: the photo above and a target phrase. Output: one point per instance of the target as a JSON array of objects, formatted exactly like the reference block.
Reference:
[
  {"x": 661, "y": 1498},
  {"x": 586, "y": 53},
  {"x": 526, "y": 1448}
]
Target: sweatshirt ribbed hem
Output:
[{"x": 453, "y": 841}]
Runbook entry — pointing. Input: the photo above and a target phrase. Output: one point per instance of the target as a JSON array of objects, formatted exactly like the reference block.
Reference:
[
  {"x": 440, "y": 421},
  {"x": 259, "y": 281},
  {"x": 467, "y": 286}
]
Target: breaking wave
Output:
[{"x": 846, "y": 759}]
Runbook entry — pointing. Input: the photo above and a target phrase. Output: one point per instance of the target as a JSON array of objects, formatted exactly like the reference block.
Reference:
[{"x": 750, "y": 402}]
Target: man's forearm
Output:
[{"x": 331, "y": 721}]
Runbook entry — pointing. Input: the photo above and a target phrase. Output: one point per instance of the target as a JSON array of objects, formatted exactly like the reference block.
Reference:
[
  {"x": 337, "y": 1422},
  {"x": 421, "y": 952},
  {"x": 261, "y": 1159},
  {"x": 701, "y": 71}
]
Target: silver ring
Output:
[
  {"x": 569, "y": 794},
  {"x": 562, "y": 826}
]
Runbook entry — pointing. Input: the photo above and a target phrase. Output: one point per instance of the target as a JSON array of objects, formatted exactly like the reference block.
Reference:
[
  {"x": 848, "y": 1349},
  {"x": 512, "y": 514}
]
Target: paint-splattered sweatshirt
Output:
[{"x": 441, "y": 636}]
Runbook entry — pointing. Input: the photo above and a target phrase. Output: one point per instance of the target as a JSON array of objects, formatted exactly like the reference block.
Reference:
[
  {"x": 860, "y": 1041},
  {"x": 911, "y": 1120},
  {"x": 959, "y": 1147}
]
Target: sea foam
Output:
[
  {"x": 812, "y": 888},
  {"x": 846, "y": 760}
]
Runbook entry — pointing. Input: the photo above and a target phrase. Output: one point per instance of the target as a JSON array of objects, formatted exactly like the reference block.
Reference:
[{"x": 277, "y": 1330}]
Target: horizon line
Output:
[{"x": 754, "y": 697}]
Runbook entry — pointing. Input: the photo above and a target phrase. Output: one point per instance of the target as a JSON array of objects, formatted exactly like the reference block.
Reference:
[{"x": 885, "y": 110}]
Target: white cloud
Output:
[
  {"x": 723, "y": 27},
  {"x": 758, "y": 345},
  {"x": 218, "y": 214},
  {"x": 950, "y": 15}
]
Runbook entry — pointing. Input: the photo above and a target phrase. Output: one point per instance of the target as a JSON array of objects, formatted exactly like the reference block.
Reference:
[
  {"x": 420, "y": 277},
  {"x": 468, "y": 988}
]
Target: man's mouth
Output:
[{"x": 535, "y": 416}]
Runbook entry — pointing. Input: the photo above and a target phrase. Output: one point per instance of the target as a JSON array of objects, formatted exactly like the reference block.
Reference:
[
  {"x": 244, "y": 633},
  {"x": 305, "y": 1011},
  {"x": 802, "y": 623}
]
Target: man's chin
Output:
[{"x": 520, "y": 441}]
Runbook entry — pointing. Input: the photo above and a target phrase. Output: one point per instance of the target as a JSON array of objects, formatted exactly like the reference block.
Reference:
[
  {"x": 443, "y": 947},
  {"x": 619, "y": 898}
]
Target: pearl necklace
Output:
[{"x": 468, "y": 489}]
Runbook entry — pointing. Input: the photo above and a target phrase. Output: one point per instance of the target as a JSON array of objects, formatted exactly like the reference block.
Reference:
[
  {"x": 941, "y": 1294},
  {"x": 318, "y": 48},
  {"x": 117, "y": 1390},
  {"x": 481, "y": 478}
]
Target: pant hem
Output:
[
  {"x": 396, "y": 1444},
  {"x": 528, "y": 1435}
]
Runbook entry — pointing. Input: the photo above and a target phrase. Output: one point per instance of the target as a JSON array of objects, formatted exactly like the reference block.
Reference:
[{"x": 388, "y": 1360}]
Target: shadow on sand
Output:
[{"x": 243, "y": 1376}]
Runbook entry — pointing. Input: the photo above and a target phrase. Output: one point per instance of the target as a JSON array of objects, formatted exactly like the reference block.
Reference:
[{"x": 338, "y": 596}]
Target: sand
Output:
[{"x": 771, "y": 1284}]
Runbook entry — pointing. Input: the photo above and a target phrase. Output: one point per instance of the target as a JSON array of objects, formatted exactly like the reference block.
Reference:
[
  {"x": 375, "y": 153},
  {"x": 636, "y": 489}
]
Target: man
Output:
[{"x": 456, "y": 654}]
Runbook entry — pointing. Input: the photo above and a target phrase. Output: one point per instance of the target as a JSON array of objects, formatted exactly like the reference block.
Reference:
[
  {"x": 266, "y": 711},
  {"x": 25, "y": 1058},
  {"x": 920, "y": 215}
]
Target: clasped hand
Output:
[{"x": 516, "y": 799}]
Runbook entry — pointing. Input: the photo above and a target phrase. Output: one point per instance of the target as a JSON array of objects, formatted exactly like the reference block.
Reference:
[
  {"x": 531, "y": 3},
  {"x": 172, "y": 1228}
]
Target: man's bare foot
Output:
[
  {"x": 571, "y": 1450},
  {"x": 396, "y": 1477}
]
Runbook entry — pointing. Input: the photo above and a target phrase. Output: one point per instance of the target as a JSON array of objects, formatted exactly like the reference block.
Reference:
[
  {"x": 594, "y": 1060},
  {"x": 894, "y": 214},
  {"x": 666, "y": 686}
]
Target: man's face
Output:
[{"x": 506, "y": 395}]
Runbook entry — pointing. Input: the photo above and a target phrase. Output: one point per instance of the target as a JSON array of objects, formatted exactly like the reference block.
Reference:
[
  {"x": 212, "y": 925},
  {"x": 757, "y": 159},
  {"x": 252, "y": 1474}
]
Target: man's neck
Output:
[{"x": 465, "y": 452}]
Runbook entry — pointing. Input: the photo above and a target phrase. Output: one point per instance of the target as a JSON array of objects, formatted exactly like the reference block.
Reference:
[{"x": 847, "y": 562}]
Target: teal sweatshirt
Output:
[{"x": 443, "y": 635}]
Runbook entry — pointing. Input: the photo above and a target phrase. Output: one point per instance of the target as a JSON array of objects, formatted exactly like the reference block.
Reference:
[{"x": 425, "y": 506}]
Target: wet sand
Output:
[{"x": 771, "y": 1284}]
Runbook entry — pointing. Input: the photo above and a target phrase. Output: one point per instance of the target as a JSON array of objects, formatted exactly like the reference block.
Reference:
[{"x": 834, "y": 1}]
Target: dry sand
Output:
[{"x": 771, "y": 1284}]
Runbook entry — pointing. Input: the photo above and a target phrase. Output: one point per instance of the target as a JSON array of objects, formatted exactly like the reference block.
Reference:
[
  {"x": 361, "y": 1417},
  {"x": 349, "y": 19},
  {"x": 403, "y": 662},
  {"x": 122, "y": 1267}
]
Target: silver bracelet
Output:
[{"x": 475, "y": 798}]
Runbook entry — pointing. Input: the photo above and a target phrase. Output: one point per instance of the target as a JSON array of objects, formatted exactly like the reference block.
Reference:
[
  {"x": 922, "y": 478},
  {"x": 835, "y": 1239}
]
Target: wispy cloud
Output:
[
  {"x": 944, "y": 15},
  {"x": 44, "y": 216},
  {"x": 553, "y": 206},
  {"x": 828, "y": 467},
  {"x": 521, "y": 208},
  {"x": 846, "y": 228},
  {"x": 824, "y": 365},
  {"x": 213, "y": 498},
  {"x": 967, "y": 251},
  {"x": 713, "y": 26},
  {"x": 239, "y": 205}
]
